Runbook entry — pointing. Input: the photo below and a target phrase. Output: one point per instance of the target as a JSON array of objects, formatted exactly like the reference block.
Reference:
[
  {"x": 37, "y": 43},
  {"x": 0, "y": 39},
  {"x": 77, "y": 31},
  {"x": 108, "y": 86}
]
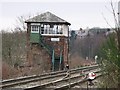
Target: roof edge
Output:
[{"x": 67, "y": 23}]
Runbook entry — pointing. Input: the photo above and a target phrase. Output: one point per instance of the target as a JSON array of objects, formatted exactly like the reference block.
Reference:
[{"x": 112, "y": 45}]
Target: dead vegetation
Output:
[{"x": 14, "y": 55}]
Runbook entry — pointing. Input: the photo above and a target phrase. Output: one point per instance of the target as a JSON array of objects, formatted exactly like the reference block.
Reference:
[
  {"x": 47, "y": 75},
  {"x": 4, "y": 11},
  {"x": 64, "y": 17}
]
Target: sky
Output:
[{"x": 80, "y": 13}]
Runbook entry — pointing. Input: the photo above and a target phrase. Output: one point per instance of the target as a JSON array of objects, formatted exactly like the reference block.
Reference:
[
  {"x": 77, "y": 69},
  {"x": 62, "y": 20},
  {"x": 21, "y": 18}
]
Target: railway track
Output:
[
  {"x": 75, "y": 82},
  {"x": 39, "y": 81},
  {"x": 63, "y": 83}
]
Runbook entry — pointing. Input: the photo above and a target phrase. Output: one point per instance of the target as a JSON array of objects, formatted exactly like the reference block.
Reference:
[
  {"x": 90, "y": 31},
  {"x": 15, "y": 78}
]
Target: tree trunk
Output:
[
  {"x": 118, "y": 38},
  {"x": 118, "y": 42}
]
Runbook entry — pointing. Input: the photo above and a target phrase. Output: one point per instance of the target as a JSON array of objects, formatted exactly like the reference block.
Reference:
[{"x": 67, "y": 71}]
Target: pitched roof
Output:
[{"x": 47, "y": 18}]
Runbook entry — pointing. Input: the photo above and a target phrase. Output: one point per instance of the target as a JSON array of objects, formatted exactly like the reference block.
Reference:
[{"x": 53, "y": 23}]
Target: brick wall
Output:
[{"x": 35, "y": 52}]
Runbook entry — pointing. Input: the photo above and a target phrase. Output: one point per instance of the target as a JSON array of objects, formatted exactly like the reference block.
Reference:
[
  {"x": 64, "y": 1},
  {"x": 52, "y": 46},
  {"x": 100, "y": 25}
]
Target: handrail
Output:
[{"x": 46, "y": 46}]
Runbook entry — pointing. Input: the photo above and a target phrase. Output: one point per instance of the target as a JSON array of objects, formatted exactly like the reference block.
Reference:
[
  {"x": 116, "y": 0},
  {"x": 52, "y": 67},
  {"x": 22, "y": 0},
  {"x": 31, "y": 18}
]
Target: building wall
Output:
[
  {"x": 56, "y": 45},
  {"x": 35, "y": 52},
  {"x": 40, "y": 56},
  {"x": 65, "y": 31},
  {"x": 59, "y": 46}
]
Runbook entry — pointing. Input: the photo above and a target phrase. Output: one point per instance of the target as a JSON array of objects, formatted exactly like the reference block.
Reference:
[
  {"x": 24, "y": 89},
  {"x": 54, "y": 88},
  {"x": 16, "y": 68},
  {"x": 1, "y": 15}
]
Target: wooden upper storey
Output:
[{"x": 48, "y": 24}]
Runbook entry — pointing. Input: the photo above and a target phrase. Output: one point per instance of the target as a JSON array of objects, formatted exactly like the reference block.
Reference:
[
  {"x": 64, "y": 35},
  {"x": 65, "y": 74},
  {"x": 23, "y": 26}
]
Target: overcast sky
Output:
[{"x": 80, "y": 13}]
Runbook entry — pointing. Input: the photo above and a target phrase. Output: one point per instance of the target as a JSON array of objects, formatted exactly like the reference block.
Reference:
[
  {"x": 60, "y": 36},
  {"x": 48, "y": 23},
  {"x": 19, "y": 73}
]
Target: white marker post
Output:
[{"x": 96, "y": 57}]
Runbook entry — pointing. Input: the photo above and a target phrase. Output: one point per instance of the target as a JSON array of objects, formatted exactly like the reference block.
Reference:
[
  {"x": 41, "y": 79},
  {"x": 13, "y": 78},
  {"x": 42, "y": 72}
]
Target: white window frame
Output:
[
  {"x": 56, "y": 30},
  {"x": 35, "y": 28}
]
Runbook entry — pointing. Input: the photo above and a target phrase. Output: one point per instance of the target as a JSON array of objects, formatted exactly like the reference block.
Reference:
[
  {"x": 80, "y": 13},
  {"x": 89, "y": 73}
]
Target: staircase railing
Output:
[
  {"x": 53, "y": 60},
  {"x": 48, "y": 48}
]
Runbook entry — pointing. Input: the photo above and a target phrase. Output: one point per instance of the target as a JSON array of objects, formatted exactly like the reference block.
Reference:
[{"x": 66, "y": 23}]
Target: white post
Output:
[{"x": 96, "y": 57}]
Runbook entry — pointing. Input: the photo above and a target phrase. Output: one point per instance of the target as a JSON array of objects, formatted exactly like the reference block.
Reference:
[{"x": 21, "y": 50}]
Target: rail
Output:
[
  {"x": 62, "y": 83},
  {"x": 43, "y": 77}
]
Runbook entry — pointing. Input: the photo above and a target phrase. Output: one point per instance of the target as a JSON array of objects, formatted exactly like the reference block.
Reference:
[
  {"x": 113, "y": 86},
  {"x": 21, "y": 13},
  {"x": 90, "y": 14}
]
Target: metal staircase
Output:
[
  {"x": 47, "y": 47},
  {"x": 51, "y": 52}
]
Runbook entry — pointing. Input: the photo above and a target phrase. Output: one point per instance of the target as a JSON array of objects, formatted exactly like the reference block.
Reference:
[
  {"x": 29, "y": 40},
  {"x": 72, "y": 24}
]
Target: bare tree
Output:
[
  {"x": 117, "y": 29},
  {"x": 111, "y": 62}
]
